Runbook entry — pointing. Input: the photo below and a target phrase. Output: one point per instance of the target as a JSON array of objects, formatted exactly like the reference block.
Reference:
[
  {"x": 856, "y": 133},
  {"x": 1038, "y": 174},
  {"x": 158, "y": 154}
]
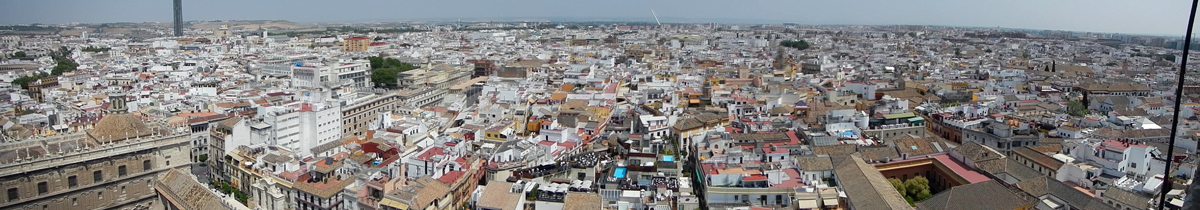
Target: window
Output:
[
  {"x": 74, "y": 201},
  {"x": 12, "y": 194},
  {"x": 72, "y": 181},
  {"x": 121, "y": 171},
  {"x": 97, "y": 176},
  {"x": 42, "y": 188},
  {"x": 100, "y": 195},
  {"x": 905, "y": 177}
]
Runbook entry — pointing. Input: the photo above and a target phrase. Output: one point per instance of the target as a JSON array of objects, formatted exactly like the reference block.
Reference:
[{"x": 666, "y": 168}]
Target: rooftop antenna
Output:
[{"x": 655, "y": 17}]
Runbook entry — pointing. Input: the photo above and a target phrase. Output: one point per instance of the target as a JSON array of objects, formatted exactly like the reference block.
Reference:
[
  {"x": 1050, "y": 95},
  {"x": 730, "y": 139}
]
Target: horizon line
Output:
[{"x": 726, "y": 21}]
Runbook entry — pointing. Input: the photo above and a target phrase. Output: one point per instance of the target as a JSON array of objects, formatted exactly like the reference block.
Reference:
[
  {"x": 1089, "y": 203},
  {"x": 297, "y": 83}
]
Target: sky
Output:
[{"x": 1151, "y": 17}]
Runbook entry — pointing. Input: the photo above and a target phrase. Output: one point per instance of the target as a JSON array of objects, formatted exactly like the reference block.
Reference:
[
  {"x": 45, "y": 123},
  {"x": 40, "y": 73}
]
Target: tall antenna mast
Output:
[{"x": 655, "y": 17}]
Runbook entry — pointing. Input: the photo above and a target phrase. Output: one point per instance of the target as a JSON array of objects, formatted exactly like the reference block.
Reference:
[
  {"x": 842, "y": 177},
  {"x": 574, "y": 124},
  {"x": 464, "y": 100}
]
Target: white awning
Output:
[
  {"x": 807, "y": 204},
  {"x": 830, "y": 202}
]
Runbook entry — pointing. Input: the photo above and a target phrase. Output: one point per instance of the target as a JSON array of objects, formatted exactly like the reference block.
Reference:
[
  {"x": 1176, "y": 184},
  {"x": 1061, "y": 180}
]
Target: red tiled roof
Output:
[
  {"x": 432, "y": 152},
  {"x": 755, "y": 177},
  {"x": 450, "y": 177},
  {"x": 794, "y": 180},
  {"x": 774, "y": 150},
  {"x": 1115, "y": 145},
  {"x": 958, "y": 168}
]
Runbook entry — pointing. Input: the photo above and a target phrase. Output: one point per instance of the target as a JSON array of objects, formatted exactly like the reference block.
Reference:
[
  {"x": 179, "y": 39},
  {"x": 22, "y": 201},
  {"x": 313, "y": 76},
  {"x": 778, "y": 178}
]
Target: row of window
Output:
[{"x": 73, "y": 181}]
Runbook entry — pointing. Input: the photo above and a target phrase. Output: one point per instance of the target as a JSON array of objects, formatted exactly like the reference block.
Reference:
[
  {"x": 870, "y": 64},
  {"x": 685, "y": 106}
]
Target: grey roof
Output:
[
  {"x": 1042, "y": 186},
  {"x": 814, "y": 163},
  {"x": 1011, "y": 97},
  {"x": 840, "y": 149},
  {"x": 186, "y": 192},
  {"x": 325, "y": 147},
  {"x": 979, "y": 196},
  {"x": 1126, "y": 197},
  {"x": 878, "y": 153},
  {"x": 566, "y": 121},
  {"x": 1011, "y": 167},
  {"x": 975, "y": 152},
  {"x": 869, "y": 189},
  {"x": 1038, "y": 157}
]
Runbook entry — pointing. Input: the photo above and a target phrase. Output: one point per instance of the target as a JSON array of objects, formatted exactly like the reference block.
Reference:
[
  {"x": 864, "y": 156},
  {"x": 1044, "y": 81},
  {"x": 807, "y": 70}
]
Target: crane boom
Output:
[{"x": 655, "y": 17}]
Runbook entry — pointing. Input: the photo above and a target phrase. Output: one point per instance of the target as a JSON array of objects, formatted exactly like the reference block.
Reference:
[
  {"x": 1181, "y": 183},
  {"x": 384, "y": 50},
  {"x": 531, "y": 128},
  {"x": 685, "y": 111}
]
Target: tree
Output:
[
  {"x": 1077, "y": 108},
  {"x": 533, "y": 194},
  {"x": 384, "y": 70},
  {"x": 899, "y": 185},
  {"x": 1111, "y": 64},
  {"x": 202, "y": 158},
  {"x": 797, "y": 44},
  {"x": 918, "y": 188},
  {"x": 19, "y": 54},
  {"x": 95, "y": 49},
  {"x": 241, "y": 197},
  {"x": 913, "y": 190},
  {"x": 376, "y": 62}
]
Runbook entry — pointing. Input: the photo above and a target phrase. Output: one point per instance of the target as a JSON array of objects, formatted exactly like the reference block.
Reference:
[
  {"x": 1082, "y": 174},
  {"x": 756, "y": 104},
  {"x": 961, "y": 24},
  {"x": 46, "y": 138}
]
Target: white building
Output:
[
  {"x": 355, "y": 73},
  {"x": 320, "y": 124}
]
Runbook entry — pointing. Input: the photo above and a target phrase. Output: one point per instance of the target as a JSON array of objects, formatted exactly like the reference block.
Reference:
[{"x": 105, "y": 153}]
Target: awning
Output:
[
  {"x": 900, "y": 115},
  {"x": 830, "y": 202},
  {"x": 393, "y": 204},
  {"x": 807, "y": 204}
]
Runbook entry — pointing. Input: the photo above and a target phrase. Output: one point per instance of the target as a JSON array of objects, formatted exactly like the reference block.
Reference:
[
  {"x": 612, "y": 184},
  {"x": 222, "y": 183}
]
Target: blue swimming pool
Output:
[
  {"x": 619, "y": 173},
  {"x": 669, "y": 158}
]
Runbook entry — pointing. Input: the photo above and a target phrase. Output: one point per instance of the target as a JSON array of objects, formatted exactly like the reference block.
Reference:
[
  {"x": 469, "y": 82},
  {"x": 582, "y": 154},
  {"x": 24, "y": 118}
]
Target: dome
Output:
[{"x": 118, "y": 127}]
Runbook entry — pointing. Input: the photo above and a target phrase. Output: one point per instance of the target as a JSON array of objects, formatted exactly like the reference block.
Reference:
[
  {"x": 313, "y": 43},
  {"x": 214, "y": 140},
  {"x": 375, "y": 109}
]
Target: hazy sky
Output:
[{"x": 1161, "y": 17}]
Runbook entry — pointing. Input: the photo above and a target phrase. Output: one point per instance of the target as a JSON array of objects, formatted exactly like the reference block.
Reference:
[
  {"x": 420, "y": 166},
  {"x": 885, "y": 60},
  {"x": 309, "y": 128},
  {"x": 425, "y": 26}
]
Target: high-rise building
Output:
[
  {"x": 178, "y": 17},
  {"x": 356, "y": 44}
]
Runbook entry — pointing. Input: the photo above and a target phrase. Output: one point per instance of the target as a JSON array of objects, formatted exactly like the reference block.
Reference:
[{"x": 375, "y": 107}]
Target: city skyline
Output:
[{"x": 1158, "y": 17}]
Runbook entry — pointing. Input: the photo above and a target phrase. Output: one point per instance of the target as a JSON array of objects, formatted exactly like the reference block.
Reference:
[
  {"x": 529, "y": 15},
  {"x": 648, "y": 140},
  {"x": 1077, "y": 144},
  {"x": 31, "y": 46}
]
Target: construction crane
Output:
[{"x": 655, "y": 17}]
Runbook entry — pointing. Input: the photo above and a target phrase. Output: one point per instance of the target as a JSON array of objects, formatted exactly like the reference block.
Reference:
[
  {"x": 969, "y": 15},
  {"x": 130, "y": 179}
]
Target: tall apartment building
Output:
[
  {"x": 439, "y": 76},
  {"x": 355, "y": 73},
  {"x": 281, "y": 124},
  {"x": 421, "y": 97},
  {"x": 357, "y": 117},
  {"x": 112, "y": 166},
  {"x": 321, "y": 124},
  {"x": 200, "y": 133},
  {"x": 356, "y": 44},
  {"x": 427, "y": 86}
]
